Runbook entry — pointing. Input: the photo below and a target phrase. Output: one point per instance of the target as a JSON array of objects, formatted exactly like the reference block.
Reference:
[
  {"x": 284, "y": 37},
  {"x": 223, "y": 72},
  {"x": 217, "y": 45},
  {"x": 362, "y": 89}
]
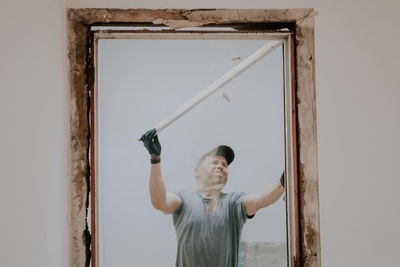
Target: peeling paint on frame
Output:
[{"x": 78, "y": 24}]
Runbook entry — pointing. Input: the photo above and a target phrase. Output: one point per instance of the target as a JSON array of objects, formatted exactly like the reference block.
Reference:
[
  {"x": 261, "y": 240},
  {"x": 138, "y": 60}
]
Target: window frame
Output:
[{"x": 300, "y": 121}]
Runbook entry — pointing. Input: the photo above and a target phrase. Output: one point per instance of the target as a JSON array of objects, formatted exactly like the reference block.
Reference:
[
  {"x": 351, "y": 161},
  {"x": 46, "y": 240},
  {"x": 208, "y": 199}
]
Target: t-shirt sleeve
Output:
[
  {"x": 240, "y": 209},
  {"x": 177, "y": 214}
]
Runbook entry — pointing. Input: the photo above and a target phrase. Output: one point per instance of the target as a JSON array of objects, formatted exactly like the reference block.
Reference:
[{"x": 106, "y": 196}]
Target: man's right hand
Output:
[{"x": 151, "y": 143}]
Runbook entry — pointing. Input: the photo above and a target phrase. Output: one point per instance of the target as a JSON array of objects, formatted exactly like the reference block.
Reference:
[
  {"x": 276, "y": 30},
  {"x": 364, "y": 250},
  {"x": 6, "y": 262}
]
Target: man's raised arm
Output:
[
  {"x": 255, "y": 201},
  {"x": 160, "y": 199}
]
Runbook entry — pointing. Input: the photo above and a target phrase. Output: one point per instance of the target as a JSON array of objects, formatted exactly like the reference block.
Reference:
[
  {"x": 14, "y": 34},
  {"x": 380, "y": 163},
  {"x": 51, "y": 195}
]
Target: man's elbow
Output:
[
  {"x": 162, "y": 208},
  {"x": 158, "y": 205}
]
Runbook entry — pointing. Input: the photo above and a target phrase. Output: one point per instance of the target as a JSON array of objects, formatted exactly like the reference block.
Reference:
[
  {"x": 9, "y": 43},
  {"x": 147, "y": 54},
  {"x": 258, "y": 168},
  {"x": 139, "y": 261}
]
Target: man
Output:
[{"x": 208, "y": 222}]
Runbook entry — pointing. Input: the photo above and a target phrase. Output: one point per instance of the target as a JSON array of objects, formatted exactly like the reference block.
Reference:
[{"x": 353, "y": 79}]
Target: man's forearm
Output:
[
  {"x": 157, "y": 187},
  {"x": 271, "y": 194},
  {"x": 258, "y": 200}
]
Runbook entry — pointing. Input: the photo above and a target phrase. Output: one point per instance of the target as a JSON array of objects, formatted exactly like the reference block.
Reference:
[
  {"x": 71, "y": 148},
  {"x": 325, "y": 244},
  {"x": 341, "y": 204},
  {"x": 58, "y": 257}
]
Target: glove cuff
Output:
[{"x": 155, "y": 159}]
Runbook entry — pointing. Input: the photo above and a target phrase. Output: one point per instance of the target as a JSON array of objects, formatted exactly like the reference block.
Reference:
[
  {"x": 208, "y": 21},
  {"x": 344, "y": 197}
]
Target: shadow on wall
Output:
[{"x": 260, "y": 254}]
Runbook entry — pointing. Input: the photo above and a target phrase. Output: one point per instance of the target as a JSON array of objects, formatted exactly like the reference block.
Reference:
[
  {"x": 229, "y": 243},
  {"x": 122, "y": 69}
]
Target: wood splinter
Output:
[{"x": 226, "y": 97}]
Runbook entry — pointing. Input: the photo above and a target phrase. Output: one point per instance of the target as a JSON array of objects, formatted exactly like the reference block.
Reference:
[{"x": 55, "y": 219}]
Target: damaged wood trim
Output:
[
  {"x": 79, "y": 142},
  {"x": 78, "y": 26},
  {"x": 307, "y": 142},
  {"x": 178, "y": 18}
]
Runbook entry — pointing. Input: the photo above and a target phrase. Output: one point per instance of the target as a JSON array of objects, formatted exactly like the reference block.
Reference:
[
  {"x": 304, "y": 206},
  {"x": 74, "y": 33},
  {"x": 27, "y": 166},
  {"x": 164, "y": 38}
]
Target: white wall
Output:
[
  {"x": 33, "y": 135},
  {"x": 358, "y": 102}
]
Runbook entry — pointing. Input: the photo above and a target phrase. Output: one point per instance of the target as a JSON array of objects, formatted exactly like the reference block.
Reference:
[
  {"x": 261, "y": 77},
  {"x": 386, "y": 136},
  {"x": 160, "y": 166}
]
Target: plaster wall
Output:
[
  {"x": 33, "y": 134},
  {"x": 358, "y": 102}
]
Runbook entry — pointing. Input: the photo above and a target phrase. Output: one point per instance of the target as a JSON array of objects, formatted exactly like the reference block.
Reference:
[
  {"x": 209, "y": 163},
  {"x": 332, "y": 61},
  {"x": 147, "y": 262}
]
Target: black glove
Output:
[
  {"x": 151, "y": 143},
  {"x": 282, "y": 179}
]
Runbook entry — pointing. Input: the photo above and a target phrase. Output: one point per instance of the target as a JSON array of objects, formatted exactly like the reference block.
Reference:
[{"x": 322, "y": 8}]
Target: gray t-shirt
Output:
[{"x": 208, "y": 240}]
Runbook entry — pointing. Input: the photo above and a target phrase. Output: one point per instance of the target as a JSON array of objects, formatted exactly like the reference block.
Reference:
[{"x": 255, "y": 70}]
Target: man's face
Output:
[{"x": 213, "y": 170}]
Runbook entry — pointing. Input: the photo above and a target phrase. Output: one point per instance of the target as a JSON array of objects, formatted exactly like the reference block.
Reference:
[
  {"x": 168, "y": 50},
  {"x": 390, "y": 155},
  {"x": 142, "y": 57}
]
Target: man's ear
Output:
[{"x": 196, "y": 172}]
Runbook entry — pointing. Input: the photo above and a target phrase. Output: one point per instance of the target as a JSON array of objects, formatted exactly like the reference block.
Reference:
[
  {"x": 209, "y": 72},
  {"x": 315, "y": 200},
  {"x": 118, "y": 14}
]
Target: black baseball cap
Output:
[{"x": 223, "y": 151}]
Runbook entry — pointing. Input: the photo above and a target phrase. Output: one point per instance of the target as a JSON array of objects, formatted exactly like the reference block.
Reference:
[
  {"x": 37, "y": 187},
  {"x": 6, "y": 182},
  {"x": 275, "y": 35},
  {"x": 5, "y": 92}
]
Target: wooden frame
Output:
[{"x": 300, "y": 109}]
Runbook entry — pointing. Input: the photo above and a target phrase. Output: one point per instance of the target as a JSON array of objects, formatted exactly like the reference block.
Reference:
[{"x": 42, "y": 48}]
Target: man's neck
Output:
[{"x": 210, "y": 192}]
